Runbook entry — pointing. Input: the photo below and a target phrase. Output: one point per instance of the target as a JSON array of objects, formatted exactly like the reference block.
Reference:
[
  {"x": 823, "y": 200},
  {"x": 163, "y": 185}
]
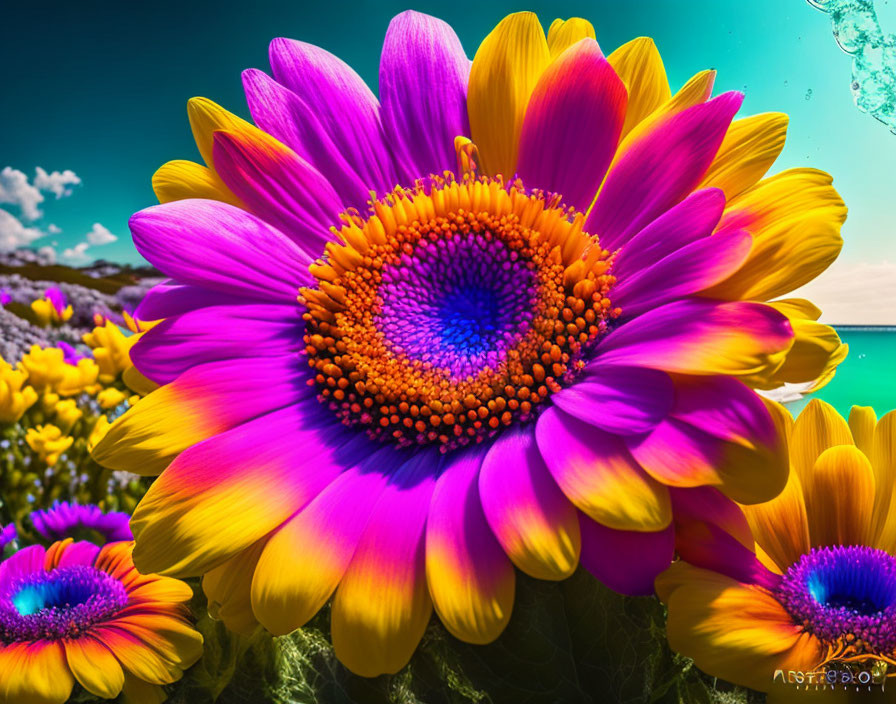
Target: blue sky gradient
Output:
[{"x": 100, "y": 88}]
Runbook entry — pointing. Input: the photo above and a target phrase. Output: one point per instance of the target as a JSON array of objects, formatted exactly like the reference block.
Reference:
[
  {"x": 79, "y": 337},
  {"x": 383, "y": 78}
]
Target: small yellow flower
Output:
[
  {"x": 47, "y": 314},
  {"x": 45, "y": 367},
  {"x": 79, "y": 378},
  {"x": 111, "y": 349},
  {"x": 49, "y": 442},
  {"x": 67, "y": 414},
  {"x": 16, "y": 396},
  {"x": 48, "y": 402},
  {"x": 49, "y": 372},
  {"x": 110, "y": 397}
]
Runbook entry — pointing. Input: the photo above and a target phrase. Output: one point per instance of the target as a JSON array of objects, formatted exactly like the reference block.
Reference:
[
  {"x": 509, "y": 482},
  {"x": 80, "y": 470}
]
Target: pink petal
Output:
[{"x": 572, "y": 125}]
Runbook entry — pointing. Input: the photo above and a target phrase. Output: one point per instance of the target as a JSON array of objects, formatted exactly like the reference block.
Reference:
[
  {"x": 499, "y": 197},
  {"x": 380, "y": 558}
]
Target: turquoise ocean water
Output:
[{"x": 868, "y": 375}]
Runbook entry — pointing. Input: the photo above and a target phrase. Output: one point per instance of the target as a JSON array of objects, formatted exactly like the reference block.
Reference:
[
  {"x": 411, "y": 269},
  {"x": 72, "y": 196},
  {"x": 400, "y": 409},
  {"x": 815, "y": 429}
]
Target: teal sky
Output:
[{"x": 100, "y": 88}]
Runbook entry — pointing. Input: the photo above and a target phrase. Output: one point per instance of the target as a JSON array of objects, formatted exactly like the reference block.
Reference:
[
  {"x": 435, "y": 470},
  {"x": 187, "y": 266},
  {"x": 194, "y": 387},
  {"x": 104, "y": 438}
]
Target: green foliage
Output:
[
  {"x": 572, "y": 641},
  {"x": 28, "y": 484}
]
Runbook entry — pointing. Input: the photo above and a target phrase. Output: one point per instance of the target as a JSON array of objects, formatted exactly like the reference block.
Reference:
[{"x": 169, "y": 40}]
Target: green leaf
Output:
[{"x": 570, "y": 641}]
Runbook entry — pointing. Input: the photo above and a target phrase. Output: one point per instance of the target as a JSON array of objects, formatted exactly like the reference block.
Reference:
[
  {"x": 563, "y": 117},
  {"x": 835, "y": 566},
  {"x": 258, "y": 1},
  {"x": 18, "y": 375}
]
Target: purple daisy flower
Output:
[
  {"x": 64, "y": 520},
  {"x": 7, "y": 535}
]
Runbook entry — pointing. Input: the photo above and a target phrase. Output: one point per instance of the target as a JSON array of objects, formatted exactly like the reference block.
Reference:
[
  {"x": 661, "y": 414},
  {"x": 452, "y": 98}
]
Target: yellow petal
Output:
[
  {"x": 94, "y": 666},
  {"x": 816, "y": 429},
  {"x": 797, "y": 308},
  {"x": 639, "y": 65},
  {"x": 795, "y": 219},
  {"x": 180, "y": 179},
  {"x": 731, "y": 630},
  {"x": 883, "y": 460},
  {"x": 505, "y": 69},
  {"x": 146, "y": 438},
  {"x": 136, "y": 382},
  {"x": 815, "y": 355},
  {"x": 228, "y": 589},
  {"x": 750, "y": 147},
  {"x": 206, "y": 117},
  {"x": 136, "y": 691},
  {"x": 862, "y": 421},
  {"x": 780, "y": 525},
  {"x": 839, "y": 494},
  {"x": 564, "y": 33}
]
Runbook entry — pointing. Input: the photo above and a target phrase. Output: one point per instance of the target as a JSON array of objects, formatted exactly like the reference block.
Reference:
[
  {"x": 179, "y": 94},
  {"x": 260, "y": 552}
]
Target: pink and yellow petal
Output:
[
  {"x": 697, "y": 90},
  {"x": 572, "y": 125},
  {"x": 470, "y": 579},
  {"x": 279, "y": 186},
  {"x": 207, "y": 117},
  {"x": 681, "y": 147},
  {"x": 220, "y": 496},
  {"x": 382, "y": 605},
  {"x": 203, "y": 401},
  {"x": 597, "y": 473},
  {"x": 305, "y": 559},
  {"x": 533, "y": 520},
  {"x": 506, "y": 68},
  {"x": 816, "y": 353},
  {"x": 719, "y": 434},
  {"x": 170, "y": 638},
  {"x": 700, "y": 337},
  {"x": 706, "y": 504}
]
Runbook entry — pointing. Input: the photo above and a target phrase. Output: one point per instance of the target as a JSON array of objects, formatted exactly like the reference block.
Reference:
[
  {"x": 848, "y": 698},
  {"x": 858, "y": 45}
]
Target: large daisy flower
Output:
[
  {"x": 804, "y": 579},
  {"x": 486, "y": 320},
  {"x": 79, "y": 613}
]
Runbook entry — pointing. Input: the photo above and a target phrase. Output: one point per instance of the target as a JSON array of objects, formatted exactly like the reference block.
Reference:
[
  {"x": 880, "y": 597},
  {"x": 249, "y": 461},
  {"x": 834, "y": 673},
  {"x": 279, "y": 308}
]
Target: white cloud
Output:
[
  {"x": 53, "y": 229},
  {"x": 77, "y": 254},
  {"x": 14, "y": 234},
  {"x": 855, "y": 293},
  {"x": 15, "y": 190},
  {"x": 100, "y": 235},
  {"x": 48, "y": 253},
  {"x": 56, "y": 182}
]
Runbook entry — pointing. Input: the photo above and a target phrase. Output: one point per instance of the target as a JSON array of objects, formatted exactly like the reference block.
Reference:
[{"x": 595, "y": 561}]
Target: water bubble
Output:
[
  {"x": 809, "y": 94},
  {"x": 858, "y": 33}
]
